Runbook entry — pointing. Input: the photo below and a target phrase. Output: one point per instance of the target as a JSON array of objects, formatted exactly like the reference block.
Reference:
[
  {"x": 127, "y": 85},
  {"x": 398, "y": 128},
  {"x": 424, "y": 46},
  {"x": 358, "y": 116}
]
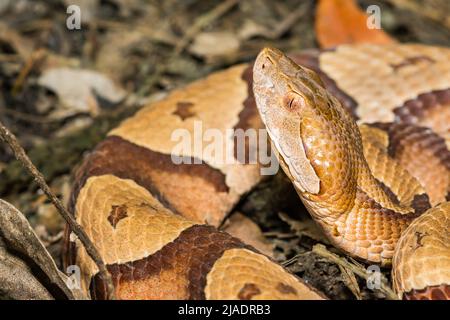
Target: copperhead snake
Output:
[{"x": 362, "y": 131}]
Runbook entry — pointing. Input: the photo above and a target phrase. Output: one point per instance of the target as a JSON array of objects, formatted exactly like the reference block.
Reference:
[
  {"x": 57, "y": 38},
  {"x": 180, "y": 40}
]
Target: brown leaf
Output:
[
  {"x": 78, "y": 90},
  {"x": 21, "y": 45},
  {"x": 249, "y": 232},
  {"x": 342, "y": 21},
  {"x": 213, "y": 45},
  {"x": 27, "y": 270},
  {"x": 305, "y": 227},
  {"x": 350, "y": 281}
]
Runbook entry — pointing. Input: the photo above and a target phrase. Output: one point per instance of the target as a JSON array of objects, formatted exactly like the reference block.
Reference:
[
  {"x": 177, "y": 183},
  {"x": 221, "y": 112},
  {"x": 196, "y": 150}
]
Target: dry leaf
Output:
[
  {"x": 212, "y": 45},
  {"x": 305, "y": 227},
  {"x": 78, "y": 90},
  {"x": 21, "y": 45},
  {"x": 27, "y": 270},
  {"x": 249, "y": 232},
  {"x": 251, "y": 29},
  {"x": 350, "y": 281},
  {"x": 128, "y": 8},
  {"x": 116, "y": 56},
  {"x": 111, "y": 58},
  {"x": 17, "y": 279},
  {"x": 74, "y": 126},
  {"x": 342, "y": 21},
  {"x": 355, "y": 267},
  {"x": 53, "y": 60}
]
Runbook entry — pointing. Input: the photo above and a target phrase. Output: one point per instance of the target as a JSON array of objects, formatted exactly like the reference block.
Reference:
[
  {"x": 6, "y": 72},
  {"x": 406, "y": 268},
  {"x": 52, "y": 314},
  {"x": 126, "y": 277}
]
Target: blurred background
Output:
[{"x": 64, "y": 85}]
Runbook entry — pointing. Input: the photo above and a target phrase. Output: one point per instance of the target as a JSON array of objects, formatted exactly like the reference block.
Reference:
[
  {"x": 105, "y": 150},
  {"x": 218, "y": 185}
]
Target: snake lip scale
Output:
[{"x": 362, "y": 131}]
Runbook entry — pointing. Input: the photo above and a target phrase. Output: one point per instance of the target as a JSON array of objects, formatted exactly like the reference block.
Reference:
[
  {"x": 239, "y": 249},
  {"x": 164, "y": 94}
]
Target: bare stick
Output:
[
  {"x": 181, "y": 44},
  {"x": 360, "y": 271},
  {"x": 287, "y": 23},
  {"x": 20, "y": 154},
  {"x": 203, "y": 21}
]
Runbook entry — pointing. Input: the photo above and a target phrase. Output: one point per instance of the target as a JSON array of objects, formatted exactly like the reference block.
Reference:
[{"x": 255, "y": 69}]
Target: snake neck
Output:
[
  {"x": 320, "y": 147},
  {"x": 334, "y": 146},
  {"x": 355, "y": 207}
]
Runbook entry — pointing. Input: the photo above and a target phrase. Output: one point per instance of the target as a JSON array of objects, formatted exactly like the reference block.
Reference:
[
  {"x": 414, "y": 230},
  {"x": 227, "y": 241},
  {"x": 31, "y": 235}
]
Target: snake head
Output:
[
  {"x": 309, "y": 128},
  {"x": 281, "y": 106},
  {"x": 276, "y": 76}
]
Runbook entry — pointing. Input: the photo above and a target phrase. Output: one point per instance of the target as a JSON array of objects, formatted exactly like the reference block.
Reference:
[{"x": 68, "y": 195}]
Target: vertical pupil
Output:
[{"x": 290, "y": 103}]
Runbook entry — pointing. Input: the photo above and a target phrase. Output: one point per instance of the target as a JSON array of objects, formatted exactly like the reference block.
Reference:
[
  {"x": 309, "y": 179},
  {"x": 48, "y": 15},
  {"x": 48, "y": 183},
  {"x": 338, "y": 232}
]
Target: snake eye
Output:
[{"x": 293, "y": 102}]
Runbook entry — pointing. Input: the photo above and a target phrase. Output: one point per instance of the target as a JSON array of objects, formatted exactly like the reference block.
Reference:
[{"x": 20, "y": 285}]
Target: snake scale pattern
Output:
[{"x": 362, "y": 131}]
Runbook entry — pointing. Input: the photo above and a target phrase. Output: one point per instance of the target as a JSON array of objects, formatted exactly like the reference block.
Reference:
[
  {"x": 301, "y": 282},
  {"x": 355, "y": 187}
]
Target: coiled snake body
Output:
[{"x": 363, "y": 185}]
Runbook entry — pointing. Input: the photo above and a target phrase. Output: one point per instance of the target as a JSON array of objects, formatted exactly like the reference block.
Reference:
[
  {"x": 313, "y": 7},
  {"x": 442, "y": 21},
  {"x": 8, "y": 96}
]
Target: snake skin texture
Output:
[
  {"x": 152, "y": 253},
  {"x": 425, "y": 245},
  {"x": 364, "y": 184},
  {"x": 154, "y": 221},
  {"x": 146, "y": 214}
]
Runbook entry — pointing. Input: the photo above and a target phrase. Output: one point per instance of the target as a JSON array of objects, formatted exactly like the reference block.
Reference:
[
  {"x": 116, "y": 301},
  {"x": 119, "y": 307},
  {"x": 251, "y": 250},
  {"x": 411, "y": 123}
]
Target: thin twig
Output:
[
  {"x": 321, "y": 250},
  {"x": 202, "y": 22},
  {"x": 181, "y": 44},
  {"x": 349, "y": 279},
  {"x": 35, "y": 57},
  {"x": 20, "y": 154},
  {"x": 287, "y": 23},
  {"x": 28, "y": 117}
]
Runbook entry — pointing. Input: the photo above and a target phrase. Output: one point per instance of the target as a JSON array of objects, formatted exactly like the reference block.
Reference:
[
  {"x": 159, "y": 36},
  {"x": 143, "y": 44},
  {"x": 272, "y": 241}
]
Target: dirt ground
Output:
[{"x": 140, "y": 50}]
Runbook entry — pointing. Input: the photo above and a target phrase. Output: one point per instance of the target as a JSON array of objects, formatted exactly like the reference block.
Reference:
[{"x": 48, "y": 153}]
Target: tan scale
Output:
[
  {"x": 162, "y": 286},
  {"x": 386, "y": 169},
  {"x": 216, "y": 102},
  {"x": 405, "y": 71},
  {"x": 423, "y": 255},
  {"x": 255, "y": 273},
  {"x": 147, "y": 228},
  {"x": 427, "y": 168}
]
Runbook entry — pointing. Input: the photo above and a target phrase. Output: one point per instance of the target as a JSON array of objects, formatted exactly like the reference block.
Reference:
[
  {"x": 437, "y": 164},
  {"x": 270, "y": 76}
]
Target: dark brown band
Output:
[
  {"x": 126, "y": 160},
  {"x": 441, "y": 292},
  {"x": 413, "y": 110},
  {"x": 190, "y": 256}
]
